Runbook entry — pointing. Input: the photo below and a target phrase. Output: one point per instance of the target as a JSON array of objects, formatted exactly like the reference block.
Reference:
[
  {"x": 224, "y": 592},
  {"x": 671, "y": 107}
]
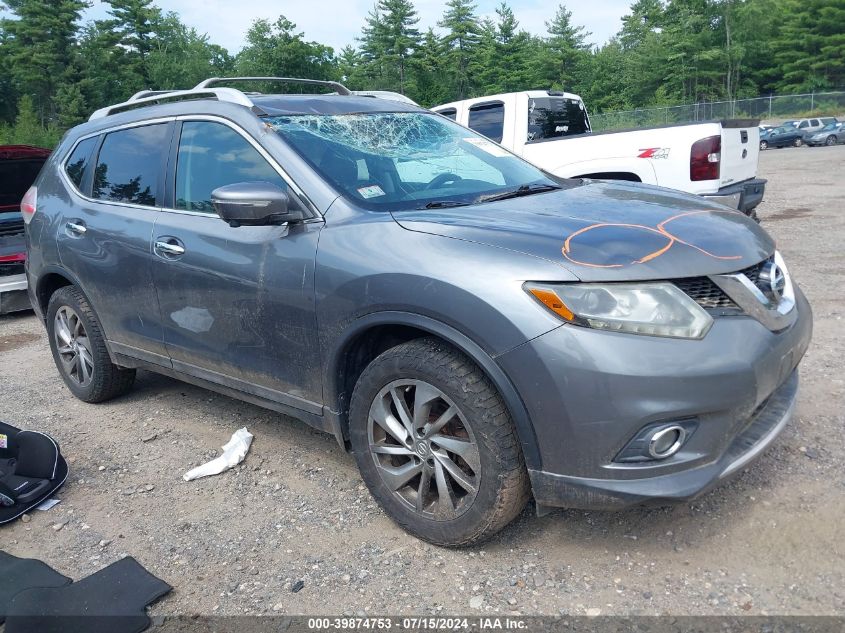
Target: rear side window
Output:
[
  {"x": 449, "y": 113},
  {"x": 213, "y": 155},
  {"x": 78, "y": 161},
  {"x": 488, "y": 119},
  {"x": 555, "y": 117},
  {"x": 129, "y": 165}
]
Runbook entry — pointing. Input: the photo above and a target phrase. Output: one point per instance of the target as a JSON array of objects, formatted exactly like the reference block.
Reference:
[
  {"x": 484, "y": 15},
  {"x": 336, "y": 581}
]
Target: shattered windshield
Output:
[{"x": 403, "y": 160}]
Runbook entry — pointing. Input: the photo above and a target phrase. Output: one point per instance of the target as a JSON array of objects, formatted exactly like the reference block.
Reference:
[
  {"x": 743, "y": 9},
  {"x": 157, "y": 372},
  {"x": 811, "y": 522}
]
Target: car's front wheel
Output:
[
  {"x": 436, "y": 445},
  {"x": 830, "y": 140},
  {"x": 79, "y": 349},
  {"x": 764, "y": 145},
  {"x": 798, "y": 142}
]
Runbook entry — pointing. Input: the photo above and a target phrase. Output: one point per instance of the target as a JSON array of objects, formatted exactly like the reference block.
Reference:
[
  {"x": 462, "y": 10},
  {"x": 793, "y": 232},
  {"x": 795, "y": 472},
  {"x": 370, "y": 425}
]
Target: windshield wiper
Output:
[
  {"x": 444, "y": 204},
  {"x": 524, "y": 190}
]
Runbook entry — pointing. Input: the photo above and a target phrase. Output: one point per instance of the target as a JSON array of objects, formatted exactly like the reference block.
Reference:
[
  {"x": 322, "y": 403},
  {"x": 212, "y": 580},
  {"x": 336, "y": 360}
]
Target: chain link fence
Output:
[{"x": 772, "y": 107}]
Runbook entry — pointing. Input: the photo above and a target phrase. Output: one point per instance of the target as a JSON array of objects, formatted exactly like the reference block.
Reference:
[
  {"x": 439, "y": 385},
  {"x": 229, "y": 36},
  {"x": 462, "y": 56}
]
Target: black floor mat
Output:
[
  {"x": 111, "y": 600},
  {"x": 18, "y": 574}
]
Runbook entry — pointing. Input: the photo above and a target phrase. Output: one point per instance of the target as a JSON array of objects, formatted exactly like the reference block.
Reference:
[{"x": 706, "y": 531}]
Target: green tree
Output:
[
  {"x": 810, "y": 46},
  {"x": 180, "y": 57},
  {"x": 567, "y": 52},
  {"x": 427, "y": 85},
  {"x": 38, "y": 46},
  {"x": 278, "y": 50},
  {"x": 133, "y": 24},
  {"x": 461, "y": 40},
  {"x": 400, "y": 36}
]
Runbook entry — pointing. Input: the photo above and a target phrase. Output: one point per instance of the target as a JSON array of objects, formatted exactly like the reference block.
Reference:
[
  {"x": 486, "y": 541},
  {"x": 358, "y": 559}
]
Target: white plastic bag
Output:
[{"x": 234, "y": 452}]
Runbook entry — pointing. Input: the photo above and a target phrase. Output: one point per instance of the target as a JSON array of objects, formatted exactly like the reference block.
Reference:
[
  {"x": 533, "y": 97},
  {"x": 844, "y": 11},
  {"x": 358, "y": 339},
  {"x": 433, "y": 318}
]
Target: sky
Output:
[{"x": 338, "y": 22}]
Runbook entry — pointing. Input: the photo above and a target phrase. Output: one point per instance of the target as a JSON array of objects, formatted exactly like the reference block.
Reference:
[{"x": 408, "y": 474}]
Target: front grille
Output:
[
  {"x": 709, "y": 296},
  {"x": 705, "y": 293},
  {"x": 15, "y": 268},
  {"x": 12, "y": 227},
  {"x": 753, "y": 273}
]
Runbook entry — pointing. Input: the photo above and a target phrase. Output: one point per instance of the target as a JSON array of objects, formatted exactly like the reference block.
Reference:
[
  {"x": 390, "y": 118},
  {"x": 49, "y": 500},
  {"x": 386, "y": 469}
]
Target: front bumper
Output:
[
  {"x": 13, "y": 294},
  {"x": 589, "y": 392},
  {"x": 744, "y": 196},
  {"x": 613, "y": 494}
]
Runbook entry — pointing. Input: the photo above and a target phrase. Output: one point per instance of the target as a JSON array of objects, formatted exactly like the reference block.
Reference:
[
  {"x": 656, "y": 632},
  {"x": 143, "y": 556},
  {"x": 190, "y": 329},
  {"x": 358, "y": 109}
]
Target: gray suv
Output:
[{"x": 476, "y": 331}]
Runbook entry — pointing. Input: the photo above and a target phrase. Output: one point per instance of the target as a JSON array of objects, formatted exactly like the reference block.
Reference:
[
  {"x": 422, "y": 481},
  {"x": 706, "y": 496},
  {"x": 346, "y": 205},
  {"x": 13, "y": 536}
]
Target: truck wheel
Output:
[
  {"x": 435, "y": 444},
  {"x": 79, "y": 349},
  {"x": 830, "y": 140},
  {"x": 764, "y": 145}
]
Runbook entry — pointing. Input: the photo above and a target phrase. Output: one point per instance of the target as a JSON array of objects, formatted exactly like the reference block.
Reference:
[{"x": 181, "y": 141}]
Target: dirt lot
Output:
[{"x": 770, "y": 542}]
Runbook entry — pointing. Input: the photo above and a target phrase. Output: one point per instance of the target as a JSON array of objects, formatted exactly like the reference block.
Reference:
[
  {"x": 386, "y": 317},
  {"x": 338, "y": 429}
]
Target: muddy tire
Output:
[
  {"x": 436, "y": 445},
  {"x": 79, "y": 349}
]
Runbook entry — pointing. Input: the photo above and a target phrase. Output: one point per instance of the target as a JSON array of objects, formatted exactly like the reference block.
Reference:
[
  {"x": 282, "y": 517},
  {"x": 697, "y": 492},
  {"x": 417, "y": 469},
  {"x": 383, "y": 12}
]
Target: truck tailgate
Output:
[{"x": 740, "y": 151}]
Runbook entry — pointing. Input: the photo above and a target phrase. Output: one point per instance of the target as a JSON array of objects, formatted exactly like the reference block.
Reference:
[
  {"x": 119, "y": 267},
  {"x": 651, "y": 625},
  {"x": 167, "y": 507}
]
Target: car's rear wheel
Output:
[
  {"x": 798, "y": 142},
  {"x": 79, "y": 349},
  {"x": 764, "y": 145},
  {"x": 435, "y": 444},
  {"x": 830, "y": 140}
]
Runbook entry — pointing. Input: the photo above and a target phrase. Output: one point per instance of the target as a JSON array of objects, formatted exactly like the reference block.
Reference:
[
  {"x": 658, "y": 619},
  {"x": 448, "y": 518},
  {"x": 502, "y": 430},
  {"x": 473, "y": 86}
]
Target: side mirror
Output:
[{"x": 254, "y": 204}]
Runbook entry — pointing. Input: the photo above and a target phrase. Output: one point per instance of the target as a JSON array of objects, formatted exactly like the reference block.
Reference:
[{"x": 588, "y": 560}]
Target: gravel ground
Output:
[{"x": 769, "y": 542}]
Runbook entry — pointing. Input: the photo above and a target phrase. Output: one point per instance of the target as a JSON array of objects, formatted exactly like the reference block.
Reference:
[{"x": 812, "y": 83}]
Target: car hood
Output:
[{"x": 602, "y": 231}]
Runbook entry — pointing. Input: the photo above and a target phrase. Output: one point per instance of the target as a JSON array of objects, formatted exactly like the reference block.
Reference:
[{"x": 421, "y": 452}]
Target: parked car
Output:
[
  {"x": 830, "y": 134},
  {"x": 784, "y": 136},
  {"x": 19, "y": 165},
  {"x": 715, "y": 159},
  {"x": 474, "y": 329},
  {"x": 809, "y": 126}
]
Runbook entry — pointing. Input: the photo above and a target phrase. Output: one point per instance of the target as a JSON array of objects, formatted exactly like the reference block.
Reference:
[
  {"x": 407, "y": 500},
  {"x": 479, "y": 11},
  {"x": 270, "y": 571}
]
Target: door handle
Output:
[
  {"x": 77, "y": 228},
  {"x": 169, "y": 248}
]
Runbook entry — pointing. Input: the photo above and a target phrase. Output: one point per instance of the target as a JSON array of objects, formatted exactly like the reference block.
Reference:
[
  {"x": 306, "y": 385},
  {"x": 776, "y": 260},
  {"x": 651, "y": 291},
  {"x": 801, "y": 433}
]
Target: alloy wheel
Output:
[
  {"x": 423, "y": 449},
  {"x": 73, "y": 346}
]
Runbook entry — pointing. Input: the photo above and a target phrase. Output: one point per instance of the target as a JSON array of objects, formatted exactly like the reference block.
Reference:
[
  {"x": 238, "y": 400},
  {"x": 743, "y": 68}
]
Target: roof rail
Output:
[
  {"x": 148, "y": 93},
  {"x": 334, "y": 85},
  {"x": 152, "y": 97}
]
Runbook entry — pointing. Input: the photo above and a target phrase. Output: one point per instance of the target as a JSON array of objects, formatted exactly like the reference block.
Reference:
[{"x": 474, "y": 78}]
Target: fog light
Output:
[
  {"x": 658, "y": 441},
  {"x": 667, "y": 441}
]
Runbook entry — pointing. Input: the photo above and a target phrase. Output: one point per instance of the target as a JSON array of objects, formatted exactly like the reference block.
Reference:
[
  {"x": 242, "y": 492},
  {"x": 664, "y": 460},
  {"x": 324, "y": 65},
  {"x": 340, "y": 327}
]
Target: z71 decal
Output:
[{"x": 654, "y": 152}]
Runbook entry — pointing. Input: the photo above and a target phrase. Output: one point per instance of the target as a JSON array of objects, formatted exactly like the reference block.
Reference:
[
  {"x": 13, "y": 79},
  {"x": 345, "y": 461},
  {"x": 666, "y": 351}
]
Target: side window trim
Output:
[
  {"x": 88, "y": 177},
  {"x": 87, "y": 173},
  {"x": 162, "y": 167},
  {"x": 295, "y": 190}
]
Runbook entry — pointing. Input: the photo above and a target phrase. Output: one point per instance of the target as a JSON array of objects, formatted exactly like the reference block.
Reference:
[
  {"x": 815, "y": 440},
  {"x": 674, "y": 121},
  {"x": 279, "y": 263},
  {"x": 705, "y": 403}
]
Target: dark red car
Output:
[{"x": 19, "y": 166}]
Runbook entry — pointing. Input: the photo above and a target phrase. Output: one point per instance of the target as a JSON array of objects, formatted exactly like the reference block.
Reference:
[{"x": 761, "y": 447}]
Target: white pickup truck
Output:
[{"x": 715, "y": 159}]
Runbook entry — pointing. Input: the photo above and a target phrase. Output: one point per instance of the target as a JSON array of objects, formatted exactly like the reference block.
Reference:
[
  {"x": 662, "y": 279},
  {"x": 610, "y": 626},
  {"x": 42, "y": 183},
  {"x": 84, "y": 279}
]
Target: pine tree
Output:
[
  {"x": 567, "y": 51},
  {"x": 461, "y": 39},
  {"x": 134, "y": 22},
  {"x": 427, "y": 86},
  {"x": 810, "y": 45},
  {"x": 399, "y": 36},
  {"x": 39, "y": 46}
]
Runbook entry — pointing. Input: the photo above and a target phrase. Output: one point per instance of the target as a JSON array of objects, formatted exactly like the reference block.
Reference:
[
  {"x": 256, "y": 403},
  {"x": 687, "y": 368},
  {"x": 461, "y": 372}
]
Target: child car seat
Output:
[{"x": 31, "y": 469}]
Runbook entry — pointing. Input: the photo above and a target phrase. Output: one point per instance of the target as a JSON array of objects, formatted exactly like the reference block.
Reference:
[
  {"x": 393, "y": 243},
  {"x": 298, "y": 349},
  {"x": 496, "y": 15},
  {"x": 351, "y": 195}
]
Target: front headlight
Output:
[{"x": 655, "y": 309}]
